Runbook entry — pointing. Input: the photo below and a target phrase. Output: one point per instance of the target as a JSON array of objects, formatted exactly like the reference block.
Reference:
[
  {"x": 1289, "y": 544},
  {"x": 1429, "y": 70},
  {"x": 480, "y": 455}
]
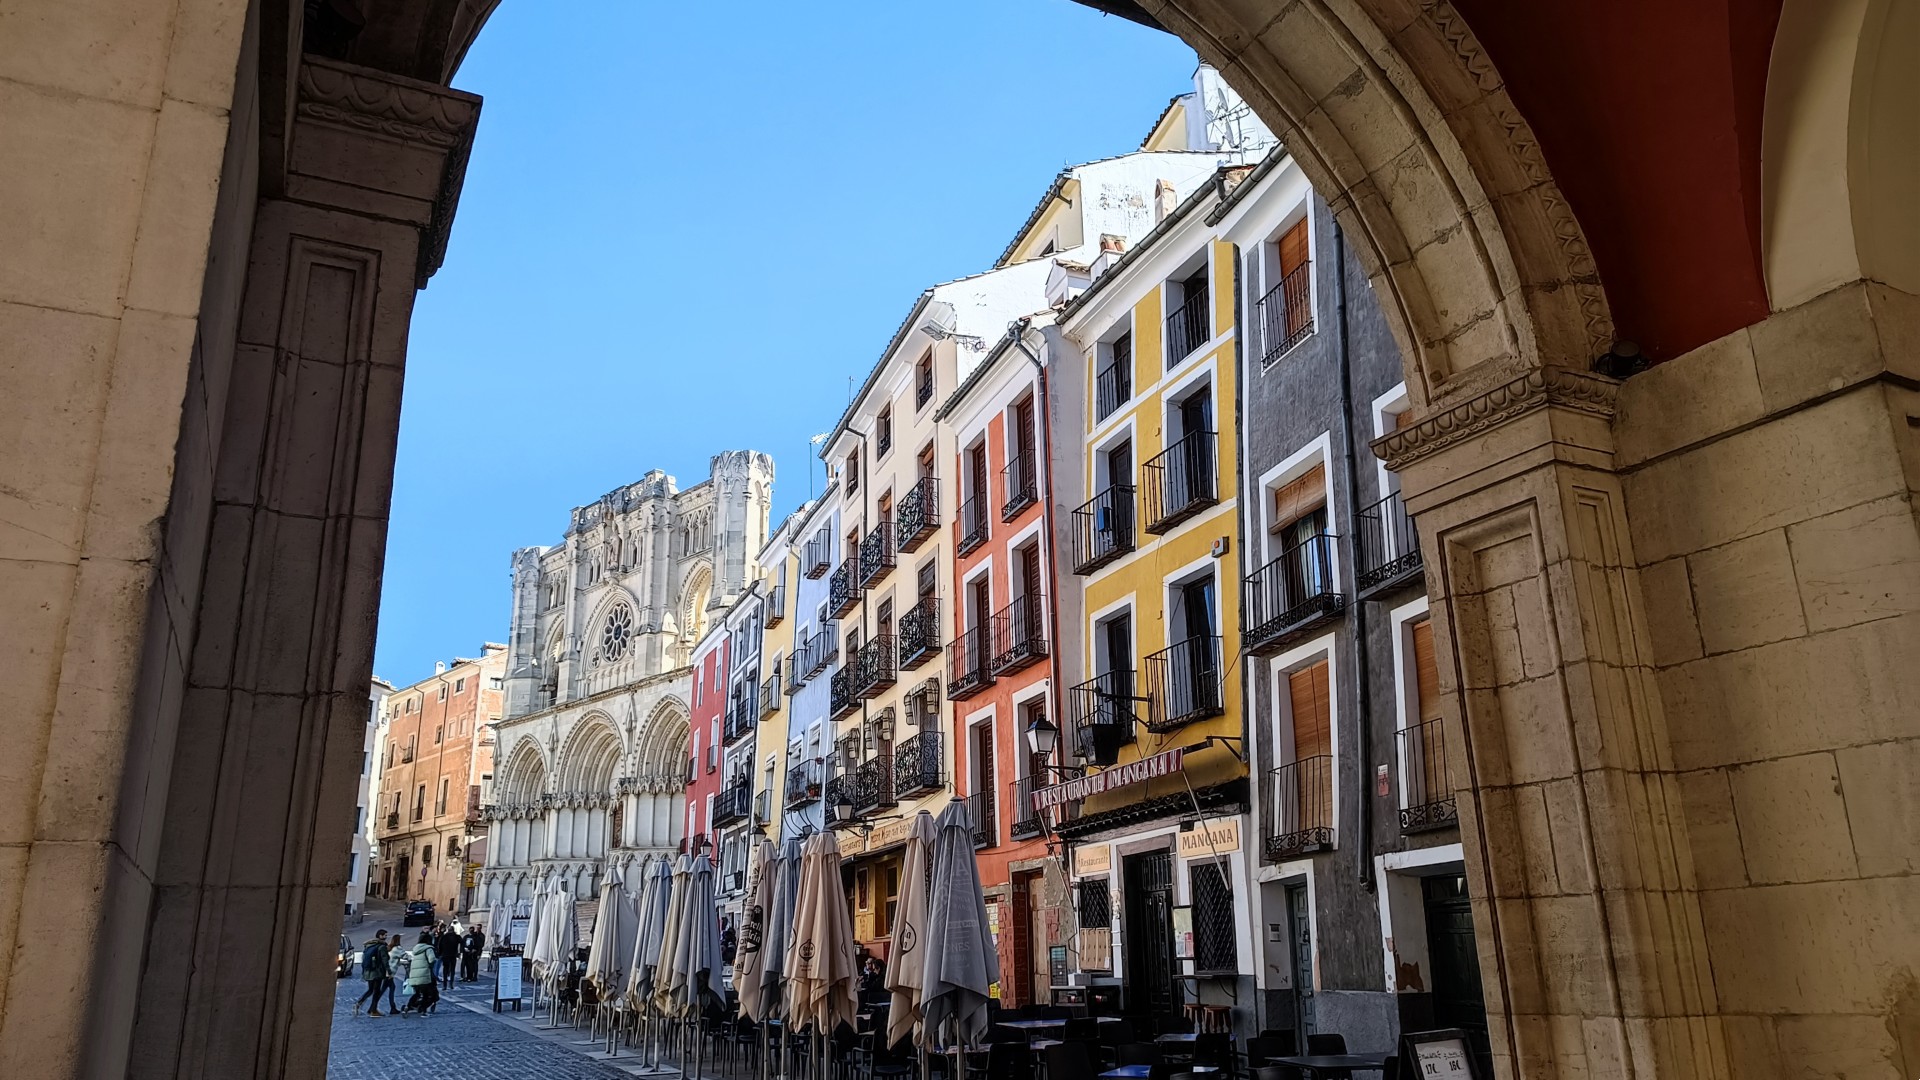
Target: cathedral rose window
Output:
[{"x": 617, "y": 634}]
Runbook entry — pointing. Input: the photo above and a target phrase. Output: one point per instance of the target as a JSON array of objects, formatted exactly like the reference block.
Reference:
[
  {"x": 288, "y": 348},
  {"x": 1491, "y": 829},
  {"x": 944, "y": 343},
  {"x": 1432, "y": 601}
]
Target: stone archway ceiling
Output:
[{"x": 1648, "y": 113}]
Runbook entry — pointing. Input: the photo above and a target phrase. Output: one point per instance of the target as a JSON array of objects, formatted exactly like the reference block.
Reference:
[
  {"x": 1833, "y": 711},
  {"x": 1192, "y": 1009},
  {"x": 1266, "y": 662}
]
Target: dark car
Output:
[
  {"x": 419, "y": 913},
  {"x": 348, "y": 954}
]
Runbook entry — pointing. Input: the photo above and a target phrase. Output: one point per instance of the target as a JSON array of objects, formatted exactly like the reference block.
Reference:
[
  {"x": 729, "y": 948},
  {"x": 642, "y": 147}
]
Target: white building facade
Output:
[
  {"x": 592, "y": 752},
  {"x": 360, "y": 862}
]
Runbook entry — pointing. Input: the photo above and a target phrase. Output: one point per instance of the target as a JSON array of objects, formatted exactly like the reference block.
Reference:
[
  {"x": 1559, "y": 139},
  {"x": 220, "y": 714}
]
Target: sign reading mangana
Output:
[{"x": 1119, "y": 776}]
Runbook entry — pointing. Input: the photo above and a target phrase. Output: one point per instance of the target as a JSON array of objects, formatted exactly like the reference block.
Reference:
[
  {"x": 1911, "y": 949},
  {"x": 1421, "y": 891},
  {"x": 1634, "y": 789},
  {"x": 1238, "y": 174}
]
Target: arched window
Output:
[{"x": 616, "y": 634}]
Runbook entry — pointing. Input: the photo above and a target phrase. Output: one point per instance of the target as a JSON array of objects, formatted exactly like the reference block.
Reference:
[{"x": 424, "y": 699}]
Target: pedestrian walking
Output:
[
  {"x": 471, "y": 947},
  {"x": 447, "y": 946},
  {"x": 373, "y": 968},
  {"x": 420, "y": 975}
]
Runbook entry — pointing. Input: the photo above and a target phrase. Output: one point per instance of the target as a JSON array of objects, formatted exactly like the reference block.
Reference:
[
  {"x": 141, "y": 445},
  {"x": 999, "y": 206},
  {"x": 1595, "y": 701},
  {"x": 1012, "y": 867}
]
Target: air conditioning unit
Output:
[{"x": 1220, "y": 547}]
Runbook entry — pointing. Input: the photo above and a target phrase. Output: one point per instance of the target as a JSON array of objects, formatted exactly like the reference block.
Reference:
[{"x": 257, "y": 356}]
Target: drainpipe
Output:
[
  {"x": 1364, "y": 689},
  {"x": 1041, "y": 415}
]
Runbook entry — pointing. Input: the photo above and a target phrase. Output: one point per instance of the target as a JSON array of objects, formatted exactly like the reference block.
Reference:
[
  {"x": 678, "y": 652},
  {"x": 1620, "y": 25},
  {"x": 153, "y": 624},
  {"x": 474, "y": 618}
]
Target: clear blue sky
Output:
[{"x": 685, "y": 226}]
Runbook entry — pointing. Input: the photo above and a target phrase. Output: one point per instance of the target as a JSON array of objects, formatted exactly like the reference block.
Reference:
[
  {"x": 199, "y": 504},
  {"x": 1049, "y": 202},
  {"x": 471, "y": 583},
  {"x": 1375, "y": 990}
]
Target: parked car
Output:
[
  {"x": 419, "y": 913},
  {"x": 348, "y": 954}
]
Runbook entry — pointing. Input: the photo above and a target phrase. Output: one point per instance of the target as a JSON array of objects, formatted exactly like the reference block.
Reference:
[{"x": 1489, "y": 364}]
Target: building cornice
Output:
[{"x": 1567, "y": 388}]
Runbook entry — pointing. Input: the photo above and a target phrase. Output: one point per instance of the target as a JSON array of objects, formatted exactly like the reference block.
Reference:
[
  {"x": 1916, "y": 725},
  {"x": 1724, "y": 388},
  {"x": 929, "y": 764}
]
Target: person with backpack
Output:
[{"x": 373, "y": 968}]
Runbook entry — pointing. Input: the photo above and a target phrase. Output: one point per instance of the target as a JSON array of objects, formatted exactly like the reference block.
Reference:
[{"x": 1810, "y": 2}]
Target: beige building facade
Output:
[{"x": 1676, "y": 609}]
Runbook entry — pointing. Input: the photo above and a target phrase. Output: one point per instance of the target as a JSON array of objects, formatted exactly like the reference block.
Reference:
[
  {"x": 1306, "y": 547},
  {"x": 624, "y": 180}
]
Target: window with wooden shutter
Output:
[
  {"x": 1301, "y": 497},
  {"x": 1312, "y": 700},
  {"x": 1426, "y": 671},
  {"x": 1296, "y": 279}
]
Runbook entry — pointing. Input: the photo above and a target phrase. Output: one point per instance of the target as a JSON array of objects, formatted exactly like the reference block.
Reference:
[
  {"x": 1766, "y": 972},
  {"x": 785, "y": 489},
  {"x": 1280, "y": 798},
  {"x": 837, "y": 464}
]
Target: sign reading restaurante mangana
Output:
[{"x": 1119, "y": 776}]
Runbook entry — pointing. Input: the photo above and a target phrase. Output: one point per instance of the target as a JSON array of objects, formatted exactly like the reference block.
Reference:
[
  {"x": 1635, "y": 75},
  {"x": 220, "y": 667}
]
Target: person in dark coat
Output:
[
  {"x": 471, "y": 947},
  {"x": 447, "y": 946}
]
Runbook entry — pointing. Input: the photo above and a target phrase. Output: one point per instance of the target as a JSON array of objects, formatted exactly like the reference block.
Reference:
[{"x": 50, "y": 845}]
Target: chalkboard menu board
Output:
[{"x": 1437, "y": 1055}]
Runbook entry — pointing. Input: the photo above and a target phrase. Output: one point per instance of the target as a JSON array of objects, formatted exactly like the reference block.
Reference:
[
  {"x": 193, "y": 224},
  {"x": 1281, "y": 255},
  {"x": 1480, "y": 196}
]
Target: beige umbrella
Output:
[
  {"x": 662, "y": 986},
  {"x": 820, "y": 969},
  {"x": 750, "y": 963},
  {"x": 906, "y": 967}
]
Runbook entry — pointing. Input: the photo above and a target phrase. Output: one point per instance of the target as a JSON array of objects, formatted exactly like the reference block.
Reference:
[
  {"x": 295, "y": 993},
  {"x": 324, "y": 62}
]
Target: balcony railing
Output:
[
  {"x": 969, "y": 670},
  {"x": 973, "y": 523},
  {"x": 1300, "y": 807},
  {"x": 762, "y": 807},
  {"x": 770, "y": 696},
  {"x": 873, "y": 668},
  {"x": 876, "y": 554},
  {"x": 985, "y": 815},
  {"x": 1180, "y": 482},
  {"x": 821, "y": 649},
  {"x": 916, "y": 764},
  {"x": 816, "y": 558},
  {"x": 873, "y": 785},
  {"x": 1103, "y": 529},
  {"x": 1027, "y": 822},
  {"x": 804, "y": 783},
  {"x": 923, "y": 393},
  {"x": 1113, "y": 386},
  {"x": 843, "y": 591},
  {"x": 734, "y": 803},
  {"x": 393, "y": 820},
  {"x": 1189, "y": 326},
  {"x": 1389, "y": 549},
  {"x": 920, "y": 633},
  {"x": 918, "y": 515},
  {"x": 1022, "y": 482},
  {"x": 1426, "y": 790},
  {"x": 740, "y": 720},
  {"x": 839, "y": 790},
  {"x": 1291, "y": 593},
  {"x": 1286, "y": 313},
  {"x": 844, "y": 702},
  {"x": 776, "y": 606},
  {"x": 1185, "y": 682},
  {"x": 1019, "y": 634},
  {"x": 1104, "y": 710}
]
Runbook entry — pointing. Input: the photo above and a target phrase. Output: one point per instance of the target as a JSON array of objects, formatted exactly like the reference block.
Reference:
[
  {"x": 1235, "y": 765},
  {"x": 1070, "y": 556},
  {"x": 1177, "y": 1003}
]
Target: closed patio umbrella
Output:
[
  {"x": 820, "y": 968},
  {"x": 906, "y": 967},
  {"x": 612, "y": 946},
  {"x": 750, "y": 961},
  {"x": 961, "y": 962},
  {"x": 786, "y": 887},
  {"x": 558, "y": 939},
  {"x": 663, "y": 972},
  {"x": 656, "y": 879}
]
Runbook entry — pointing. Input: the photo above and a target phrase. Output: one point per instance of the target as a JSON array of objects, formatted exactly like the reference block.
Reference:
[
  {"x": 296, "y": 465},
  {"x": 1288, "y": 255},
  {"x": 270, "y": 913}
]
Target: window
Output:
[
  {"x": 1213, "y": 918},
  {"x": 1286, "y": 312},
  {"x": 861, "y": 900},
  {"x": 426, "y": 856},
  {"x": 1426, "y": 673},
  {"x": 439, "y": 733},
  {"x": 923, "y": 390},
  {"x": 460, "y": 685},
  {"x": 929, "y": 578},
  {"x": 883, "y": 432},
  {"x": 1095, "y": 900},
  {"x": 443, "y": 691},
  {"x": 892, "y": 905},
  {"x": 1114, "y": 383},
  {"x": 440, "y": 804},
  {"x": 419, "y": 802},
  {"x": 853, "y": 472},
  {"x": 1189, "y": 322},
  {"x": 1311, "y": 697}
]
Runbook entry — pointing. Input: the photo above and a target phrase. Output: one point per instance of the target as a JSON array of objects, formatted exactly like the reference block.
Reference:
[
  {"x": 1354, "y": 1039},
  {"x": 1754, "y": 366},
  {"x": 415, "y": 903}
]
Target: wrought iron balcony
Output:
[
  {"x": 986, "y": 819},
  {"x": 804, "y": 783},
  {"x": 1022, "y": 481},
  {"x": 1114, "y": 384},
  {"x": 393, "y": 819},
  {"x": 843, "y": 590},
  {"x": 876, "y": 555},
  {"x": 873, "y": 668},
  {"x": 1290, "y": 594},
  {"x": 920, "y": 633},
  {"x": 1389, "y": 549},
  {"x": 916, "y": 764},
  {"x": 844, "y": 702},
  {"x": 873, "y": 785},
  {"x": 969, "y": 670},
  {"x": 839, "y": 790},
  {"x": 923, "y": 392},
  {"x": 1027, "y": 822},
  {"x": 1181, "y": 481},
  {"x": 734, "y": 803},
  {"x": 973, "y": 523},
  {"x": 1286, "y": 313},
  {"x": 762, "y": 807},
  {"x": 1185, "y": 682},
  {"x": 816, "y": 558},
  {"x": 776, "y": 605},
  {"x": 1189, "y": 326},
  {"x": 1426, "y": 790},
  {"x": 1019, "y": 634},
  {"x": 821, "y": 649},
  {"x": 739, "y": 722},
  {"x": 918, "y": 515},
  {"x": 1104, "y": 710},
  {"x": 770, "y": 696},
  {"x": 1103, "y": 529},
  {"x": 1299, "y": 807}
]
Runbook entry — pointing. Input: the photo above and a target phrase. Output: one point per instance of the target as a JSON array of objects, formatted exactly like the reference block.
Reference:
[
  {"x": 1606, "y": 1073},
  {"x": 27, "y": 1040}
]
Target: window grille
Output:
[
  {"x": 1214, "y": 948},
  {"x": 1096, "y": 903}
]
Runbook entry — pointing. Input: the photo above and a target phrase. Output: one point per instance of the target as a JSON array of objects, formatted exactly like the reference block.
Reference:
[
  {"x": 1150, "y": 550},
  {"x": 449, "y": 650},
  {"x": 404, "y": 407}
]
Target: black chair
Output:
[
  {"x": 1117, "y": 1032},
  {"x": 1176, "y": 1025},
  {"x": 1263, "y": 1049},
  {"x": 1215, "y": 1049},
  {"x": 1166, "y": 1071},
  {"x": 1390, "y": 1068},
  {"x": 1277, "y": 1072},
  {"x": 1081, "y": 1029},
  {"x": 1330, "y": 1043},
  {"x": 1069, "y": 1061},
  {"x": 1008, "y": 1060},
  {"x": 1136, "y": 1054}
]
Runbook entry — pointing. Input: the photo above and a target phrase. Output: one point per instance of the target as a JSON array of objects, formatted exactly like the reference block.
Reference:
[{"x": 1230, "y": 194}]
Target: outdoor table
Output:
[
  {"x": 1314, "y": 1064},
  {"x": 1141, "y": 1072},
  {"x": 1032, "y": 1025},
  {"x": 1178, "y": 1037}
]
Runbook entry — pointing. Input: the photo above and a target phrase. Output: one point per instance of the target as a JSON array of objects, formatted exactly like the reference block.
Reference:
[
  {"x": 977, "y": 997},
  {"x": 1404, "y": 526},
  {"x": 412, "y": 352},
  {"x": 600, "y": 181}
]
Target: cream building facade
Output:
[{"x": 593, "y": 747}]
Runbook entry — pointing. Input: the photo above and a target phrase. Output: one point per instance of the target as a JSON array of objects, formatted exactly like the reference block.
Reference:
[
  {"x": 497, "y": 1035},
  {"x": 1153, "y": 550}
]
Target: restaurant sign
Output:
[{"x": 1119, "y": 776}]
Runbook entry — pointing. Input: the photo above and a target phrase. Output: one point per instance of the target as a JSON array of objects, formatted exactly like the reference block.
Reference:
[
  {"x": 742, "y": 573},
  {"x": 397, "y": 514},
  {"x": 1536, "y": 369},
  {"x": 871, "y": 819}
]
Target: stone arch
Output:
[
  {"x": 662, "y": 741},
  {"x": 695, "y": 596},
  {"x": 524, "y": 779},
  {"x": 591, "y": 629},
  {"x": 591, "y": 757},
  {"x": 1399, "y": 119}
]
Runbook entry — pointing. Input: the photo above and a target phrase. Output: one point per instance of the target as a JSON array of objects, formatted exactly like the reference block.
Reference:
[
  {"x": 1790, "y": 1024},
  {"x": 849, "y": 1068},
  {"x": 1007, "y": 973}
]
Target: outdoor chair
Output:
[
  {"x": 1069, "y": 1061},
  {"x": 1329, "y": 1043},
  {"x": 1215, "y": 1050},
  {"x": 1263, "y": 1048},
  {"x": 1004, "y": 1061},
  {"x": 1081, "y": 1029},
  {"x": 1136, "y": 1054}
]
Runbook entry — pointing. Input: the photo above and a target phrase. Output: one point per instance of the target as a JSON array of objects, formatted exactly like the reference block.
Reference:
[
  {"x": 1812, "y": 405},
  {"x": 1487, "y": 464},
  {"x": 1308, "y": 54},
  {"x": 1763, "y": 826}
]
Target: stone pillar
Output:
[
  {"x": 252, "y": 847},
  {"x": 1585, "y": 902}
]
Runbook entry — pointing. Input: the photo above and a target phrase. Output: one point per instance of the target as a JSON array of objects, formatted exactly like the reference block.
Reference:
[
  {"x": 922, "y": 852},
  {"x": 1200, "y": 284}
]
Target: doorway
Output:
[
  {"x": 1300, "y": 958},
  {"x": 1149, "y": 935},
  {"x": 1455, "y": 962}
]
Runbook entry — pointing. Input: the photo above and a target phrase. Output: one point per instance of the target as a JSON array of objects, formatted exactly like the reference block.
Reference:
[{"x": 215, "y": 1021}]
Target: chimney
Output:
[
  {"x": 1111, "y": 244},
  {"x": 1164, "y": 200},
  {"x": 439, "y": 667}
]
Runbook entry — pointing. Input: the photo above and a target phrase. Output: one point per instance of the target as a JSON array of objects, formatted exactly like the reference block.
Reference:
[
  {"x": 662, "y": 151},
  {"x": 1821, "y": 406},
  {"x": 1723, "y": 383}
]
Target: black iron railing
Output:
[
  {"x": 876, "y": 554},
  {"x": 776, "y": 606},
  {"x": 763, "y": 806},
  {"x": 843, "y": 590},
  {"x": 843, "y": 700},
  {"x": 1189, "y": 326},
  {"x": 873, "y": 785},
  {"x": 1389, "y": 549},
  {"x": 985, "y": 815},
  {"x": 820, "y": 650},
  {"x": 1103, "y": 529},
  {"x": 804, "y": 782},
  {"x": 1300, "y": 807},
  {"x": 918, "y": 515},
  {"x": 1291, "y": 593},
  {"x": 1185, "y": 682},
  {"x": 923, "y": 393},
  {"x": 916, "y": 764},
  {"x": 740, "y": 717},
  {"x": 770, "y": 696},
  {"x": 1114, "y": 384},
  {"x": 839, "y": 791},
  {"x": 1428, "y": 793},
  {"x": 973, "y": 523},
  {"x": 1019, "y": 634},
  {"x": 969, "y": 666},
  {"x": 1286, "y": 313},
  {"x": 1022, "y": 482},
  {"x": 1104, "y": 710},
  {"x": 873, "y": 667},
  {"x": 920, "y": 633},
  {"x": 1180, "y": 482},
  {"x": 734, "y": 803},
  {"x": 1027, "y": 822},
  {"x": 817, "y": 556}
]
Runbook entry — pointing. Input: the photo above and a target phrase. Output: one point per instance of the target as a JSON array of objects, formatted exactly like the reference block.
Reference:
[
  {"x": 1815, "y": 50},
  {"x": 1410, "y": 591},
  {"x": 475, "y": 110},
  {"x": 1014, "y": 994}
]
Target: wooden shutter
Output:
[
  {"x": 1312, "y": 711},
  {"x": 1426, "y": 671},
  {"x": 1300, "y": 498},
  {"x": 1293, "y": 248}
]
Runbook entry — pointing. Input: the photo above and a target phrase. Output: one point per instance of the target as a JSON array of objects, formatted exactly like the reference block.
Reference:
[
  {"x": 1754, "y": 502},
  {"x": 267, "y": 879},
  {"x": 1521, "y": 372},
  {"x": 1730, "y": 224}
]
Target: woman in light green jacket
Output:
[{"x": 420, "y": 976}]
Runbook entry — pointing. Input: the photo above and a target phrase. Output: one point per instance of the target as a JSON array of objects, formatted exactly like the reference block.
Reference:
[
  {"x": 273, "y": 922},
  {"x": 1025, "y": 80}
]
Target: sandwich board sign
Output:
[
  {"x": 506, "y": 981},
  {"x": 1438, "y": 1055}
]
